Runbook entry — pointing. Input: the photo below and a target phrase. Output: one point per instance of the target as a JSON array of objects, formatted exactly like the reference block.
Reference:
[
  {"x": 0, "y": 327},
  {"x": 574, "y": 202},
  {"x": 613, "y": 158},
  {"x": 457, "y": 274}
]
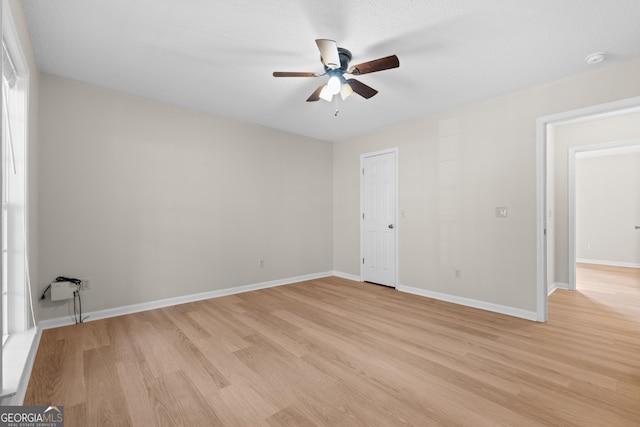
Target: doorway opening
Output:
[
  {"x": 603, "y": 205},
  {"x": 554, "y": 243}
]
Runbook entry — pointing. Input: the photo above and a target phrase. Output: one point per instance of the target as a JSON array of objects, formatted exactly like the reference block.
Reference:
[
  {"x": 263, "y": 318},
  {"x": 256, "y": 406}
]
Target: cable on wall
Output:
[{"x": 77, "y": 307}]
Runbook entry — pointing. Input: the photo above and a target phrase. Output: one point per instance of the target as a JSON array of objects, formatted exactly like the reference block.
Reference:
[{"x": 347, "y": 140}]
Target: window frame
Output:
[{"x": 21, "y": 323}]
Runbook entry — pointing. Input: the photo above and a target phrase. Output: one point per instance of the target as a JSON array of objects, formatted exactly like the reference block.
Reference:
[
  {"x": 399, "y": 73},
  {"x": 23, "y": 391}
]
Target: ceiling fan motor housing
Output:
[{"x": 345, "y": 57}]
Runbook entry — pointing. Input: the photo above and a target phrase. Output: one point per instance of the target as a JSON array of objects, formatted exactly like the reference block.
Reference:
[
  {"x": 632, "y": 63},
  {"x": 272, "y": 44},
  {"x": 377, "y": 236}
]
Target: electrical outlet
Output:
[
  {"x": 457, "y": 273},
  {"x": 85, "y": 284},
  {"x": 261, "y": 263}
]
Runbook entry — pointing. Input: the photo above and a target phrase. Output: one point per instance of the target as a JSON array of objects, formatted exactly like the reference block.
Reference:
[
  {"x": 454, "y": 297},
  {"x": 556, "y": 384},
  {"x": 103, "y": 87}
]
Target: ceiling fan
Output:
[{"x": 336, "y": 65}]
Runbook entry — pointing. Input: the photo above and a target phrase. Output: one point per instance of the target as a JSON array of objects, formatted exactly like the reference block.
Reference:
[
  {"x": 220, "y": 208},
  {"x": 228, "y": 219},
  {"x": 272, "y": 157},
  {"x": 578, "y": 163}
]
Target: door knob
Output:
[
  {"x": 391, "y": 226},
  {"x": 637, "y": 226}
]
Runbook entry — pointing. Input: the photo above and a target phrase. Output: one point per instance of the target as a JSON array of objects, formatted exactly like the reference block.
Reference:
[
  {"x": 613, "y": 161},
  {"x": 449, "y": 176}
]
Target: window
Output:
[{"x": 17, "y": 328}]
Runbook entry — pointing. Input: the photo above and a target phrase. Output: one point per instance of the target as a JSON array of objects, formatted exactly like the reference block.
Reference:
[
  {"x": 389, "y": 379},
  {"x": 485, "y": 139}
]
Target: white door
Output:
[{"x": 379, "y": 228}]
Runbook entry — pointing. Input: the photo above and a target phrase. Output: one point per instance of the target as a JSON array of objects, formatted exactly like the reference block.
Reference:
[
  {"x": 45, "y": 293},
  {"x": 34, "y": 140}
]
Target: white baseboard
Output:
[
  {"x": 555, "y": 286},
  {"x": 610, "y": 263},
  {"x": 151, "y": 305},
  {"x": 483, "y": 305},
  {"x": 347, "y": 276}
]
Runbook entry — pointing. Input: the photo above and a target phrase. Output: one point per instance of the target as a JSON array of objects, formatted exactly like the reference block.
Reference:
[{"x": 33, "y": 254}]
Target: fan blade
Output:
[
  {"x": 375, "y": 65},
  {"x": 329, "y": 53},
  {"x": 361, "y": 89},
  {"x": 293, "y": 74},
  {"x": 315, "y": 96}
]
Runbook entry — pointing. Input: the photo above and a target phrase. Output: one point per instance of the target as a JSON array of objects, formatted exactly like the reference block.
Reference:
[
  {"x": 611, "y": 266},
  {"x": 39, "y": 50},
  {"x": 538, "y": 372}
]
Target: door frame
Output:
[
  {"x": 363, "y": 156},
  {"x": 581, "y": 114}
]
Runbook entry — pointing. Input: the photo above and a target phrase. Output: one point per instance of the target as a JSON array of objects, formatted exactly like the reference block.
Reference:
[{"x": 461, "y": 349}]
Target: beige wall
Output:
[
  {"x": 608, "y": 208},
  {"x": 153, "y": 201},
  {"x": 454, "y": 169},
  {"x": 561, "y": 139}
]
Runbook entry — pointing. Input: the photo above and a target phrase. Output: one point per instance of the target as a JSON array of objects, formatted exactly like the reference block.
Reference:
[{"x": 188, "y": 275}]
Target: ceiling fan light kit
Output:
[{"x": 336, "y": 65}]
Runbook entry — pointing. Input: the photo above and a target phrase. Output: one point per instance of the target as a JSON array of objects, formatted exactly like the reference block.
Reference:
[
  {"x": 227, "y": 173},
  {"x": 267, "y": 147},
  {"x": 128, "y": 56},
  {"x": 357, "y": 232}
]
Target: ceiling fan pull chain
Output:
[{"x": 337, "y": 110}]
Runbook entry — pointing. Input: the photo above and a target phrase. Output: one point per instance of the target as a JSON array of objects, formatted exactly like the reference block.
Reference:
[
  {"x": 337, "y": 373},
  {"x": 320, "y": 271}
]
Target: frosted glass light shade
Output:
[
  {"x": 333, "y": 85},
  {"x": 346, "y": 91},
  {"x": 325, "y": 94}
]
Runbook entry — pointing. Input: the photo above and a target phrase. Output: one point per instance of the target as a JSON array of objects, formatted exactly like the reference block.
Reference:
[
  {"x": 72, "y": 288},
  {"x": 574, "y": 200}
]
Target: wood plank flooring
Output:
[{"x": 332, "y": 352}]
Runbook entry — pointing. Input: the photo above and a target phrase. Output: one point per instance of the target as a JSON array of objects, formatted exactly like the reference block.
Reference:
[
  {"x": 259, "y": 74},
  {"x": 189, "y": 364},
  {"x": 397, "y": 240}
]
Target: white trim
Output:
[
  {"x": 21, "y": 349},
  {"x": 396, "y": 151},
  {"x": 601, "y": 110},
  {"x": 571, "y": 217},
  {"x": 611, "y": 109},
  {"x": 28, "y": 339},
  {"x": 557, "y": 285},
  {"x": 571, "y": 195},
  {"x": 542, "y": 311},
  {"x": 468, "y": 302},
  {"x": 609, "y": 263},
  {"x": 18, "y": 399},
  {"x": 151, "y": 305},
  {"x": 347, "y": 276}
]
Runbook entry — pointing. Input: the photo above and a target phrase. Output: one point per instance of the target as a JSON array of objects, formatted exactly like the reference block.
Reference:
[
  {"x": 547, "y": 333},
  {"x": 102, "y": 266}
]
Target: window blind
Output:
[{"x": 8, "y": 69}]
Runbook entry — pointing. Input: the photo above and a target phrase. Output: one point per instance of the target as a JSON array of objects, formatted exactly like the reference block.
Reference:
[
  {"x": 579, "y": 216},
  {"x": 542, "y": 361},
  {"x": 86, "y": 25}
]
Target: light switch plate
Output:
[{"x": 501, "y": 212}]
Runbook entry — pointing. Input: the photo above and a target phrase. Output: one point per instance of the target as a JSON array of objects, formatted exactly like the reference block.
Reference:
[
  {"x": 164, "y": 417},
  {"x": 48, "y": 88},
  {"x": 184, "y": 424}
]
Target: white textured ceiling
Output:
[{"x": 218, "y": 56}]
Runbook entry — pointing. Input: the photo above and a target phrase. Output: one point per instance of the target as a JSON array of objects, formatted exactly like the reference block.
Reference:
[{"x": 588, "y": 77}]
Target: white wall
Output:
[
  {"x": 561, "y": 138},
  {"x": 154, "y": 201},
  {"x": 454, "y": 169},
  {"x": 607, "y": 209}
]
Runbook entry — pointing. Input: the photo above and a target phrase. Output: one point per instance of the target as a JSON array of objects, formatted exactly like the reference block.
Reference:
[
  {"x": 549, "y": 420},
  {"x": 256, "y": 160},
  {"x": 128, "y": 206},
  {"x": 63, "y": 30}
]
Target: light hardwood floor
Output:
[{"x": 333, "y": 352}]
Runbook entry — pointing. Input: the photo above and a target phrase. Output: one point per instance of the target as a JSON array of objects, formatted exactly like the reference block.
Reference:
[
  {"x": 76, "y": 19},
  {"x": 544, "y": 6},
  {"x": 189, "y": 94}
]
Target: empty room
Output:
[{"x": 320, "y": 213}]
